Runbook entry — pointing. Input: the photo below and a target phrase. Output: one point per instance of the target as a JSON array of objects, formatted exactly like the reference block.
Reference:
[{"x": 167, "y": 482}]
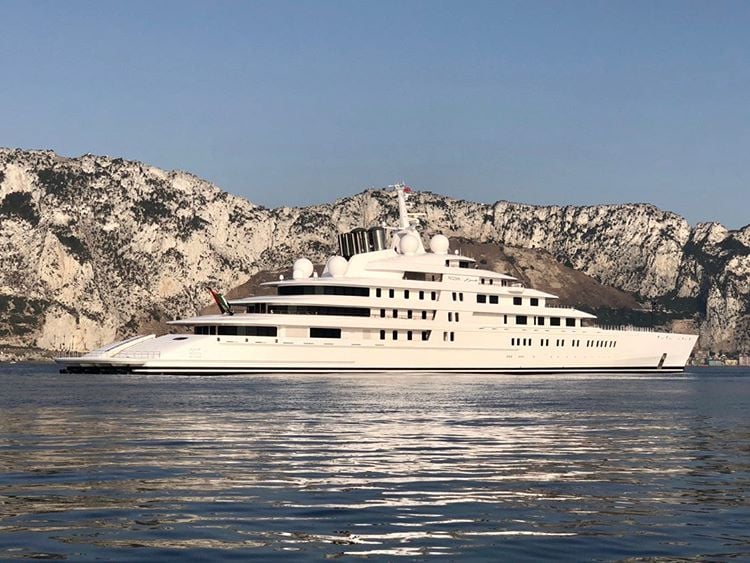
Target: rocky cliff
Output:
[{"x": 94, "y": 248}]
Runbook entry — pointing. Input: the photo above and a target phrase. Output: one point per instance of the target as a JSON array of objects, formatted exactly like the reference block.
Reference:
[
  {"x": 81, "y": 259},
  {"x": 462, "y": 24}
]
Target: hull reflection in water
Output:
[{"x": 145, "y": 467}]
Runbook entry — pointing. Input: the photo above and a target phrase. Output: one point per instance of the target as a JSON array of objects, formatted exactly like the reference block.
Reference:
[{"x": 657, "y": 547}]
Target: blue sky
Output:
[{"x": 301, "y": 102}]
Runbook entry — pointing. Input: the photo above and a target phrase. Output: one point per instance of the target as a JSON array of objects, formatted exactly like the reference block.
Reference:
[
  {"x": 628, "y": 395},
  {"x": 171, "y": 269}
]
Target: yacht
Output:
[{"x": 387, "y": 303}]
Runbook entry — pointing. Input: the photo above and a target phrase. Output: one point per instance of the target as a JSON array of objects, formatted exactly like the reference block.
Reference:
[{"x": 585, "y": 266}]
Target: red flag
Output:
[{"x": 407, "y": 190}]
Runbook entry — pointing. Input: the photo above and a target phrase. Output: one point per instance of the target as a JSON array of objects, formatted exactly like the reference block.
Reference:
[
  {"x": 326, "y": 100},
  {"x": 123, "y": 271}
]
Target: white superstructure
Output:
[{"x": 397, "y": 306}]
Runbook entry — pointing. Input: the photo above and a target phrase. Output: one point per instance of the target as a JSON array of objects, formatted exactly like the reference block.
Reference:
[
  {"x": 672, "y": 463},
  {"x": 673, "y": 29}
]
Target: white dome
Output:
[
  {"x": 337, "y": 266},
  {"x": 439, "y": 244},
  {"x": 408, "y": 244},
  {"x": 302, "y": 269}
]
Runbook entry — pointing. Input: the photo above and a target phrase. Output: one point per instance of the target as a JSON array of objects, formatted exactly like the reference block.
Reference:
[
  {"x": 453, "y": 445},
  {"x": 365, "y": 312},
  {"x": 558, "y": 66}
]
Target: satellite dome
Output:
[
  {"x": 408, "y": 244},
  {"x": 439, "y": 244},
  {"x": 302, "y": 269},
  {"x": 337, "y": 266}
]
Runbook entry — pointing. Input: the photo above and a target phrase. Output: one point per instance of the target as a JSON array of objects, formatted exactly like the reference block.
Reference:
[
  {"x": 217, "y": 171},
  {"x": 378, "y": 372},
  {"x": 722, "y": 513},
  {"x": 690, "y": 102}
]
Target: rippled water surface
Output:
[{"x": 122, "y": 467}]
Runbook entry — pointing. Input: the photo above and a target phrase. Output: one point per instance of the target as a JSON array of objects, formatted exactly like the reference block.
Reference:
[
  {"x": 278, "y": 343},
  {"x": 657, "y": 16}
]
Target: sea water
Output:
[{"x": 411, "y": 466}]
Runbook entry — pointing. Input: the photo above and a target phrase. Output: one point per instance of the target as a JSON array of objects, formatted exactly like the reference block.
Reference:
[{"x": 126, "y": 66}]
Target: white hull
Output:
[{"x": 202, "y": 354}]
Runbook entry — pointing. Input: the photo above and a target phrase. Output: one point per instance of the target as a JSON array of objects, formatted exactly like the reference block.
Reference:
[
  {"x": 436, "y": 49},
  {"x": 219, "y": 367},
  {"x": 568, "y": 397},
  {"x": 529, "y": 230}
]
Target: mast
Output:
[{"x": 407, "y": 220}]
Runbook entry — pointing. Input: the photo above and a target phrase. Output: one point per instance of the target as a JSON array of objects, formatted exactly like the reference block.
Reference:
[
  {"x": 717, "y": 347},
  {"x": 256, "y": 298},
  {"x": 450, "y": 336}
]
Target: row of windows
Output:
[
  {"x": 601, "y": 343},
  {"x": 539, "y": 321},
  {"x": 490, "y": 281},
  {"x": 408, "y": 333},
  {"x": 561, "y": 342},
  {"x": 266, "y": 308},
  {"x": 407, "y": 293},
  {"x": 269, "y": 308},
  {"x": 409, "y": 314},
  {"x": 324, "y": 290},
  {"x": 494, "y": 299},
  {"x": 236, "y": 330}
]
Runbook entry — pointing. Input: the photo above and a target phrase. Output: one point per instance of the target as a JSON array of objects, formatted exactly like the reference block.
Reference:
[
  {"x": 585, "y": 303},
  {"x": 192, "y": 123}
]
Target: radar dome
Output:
[
  {"x": 337, "y": 266},
  {"x": 439, "y": 244},
  {"x": 302, "y": 269},
  {"x": 408, "y": 244}
]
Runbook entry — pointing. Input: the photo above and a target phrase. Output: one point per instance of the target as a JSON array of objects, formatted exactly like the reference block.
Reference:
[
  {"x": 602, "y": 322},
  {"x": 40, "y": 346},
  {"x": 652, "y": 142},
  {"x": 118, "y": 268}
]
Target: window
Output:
[
  {"x": 534, "y": 302},
  {"x": 461, "y": 296},
  {"x": 391, "y": 293},
  {"x": 409, "y": 314},
  {"x": 570, "y": 322},
  {"x": 481, "y": 299},
  {"x": 433, "y": 296},
  {"x": 238, "y": 330},
  {"x": 521, "y": 320},
  {"x": 512, "y": 341},
  {"x": 554, "y": 321},
  {"x": 325, "y": 333},
  {"x": 395, "y": 313},
  {"x": 382, "y": 335},
  {"x": 325, "y": 290},
  {"x": 456, "y": 316},
  {"x": 421, "y": 294},
  {"x": 200, "y": 330},
  {"x": 517, "y": 301},
  {"x": 540, "y": 321},
  {"x": 453, "y": 336},
  {"x": 395, "y": 335},
  {"x": 408, "y": 335},
  {"x": 425, "y": 334},
  {"x": 450, "y": 316},
  {"x": 454, "y": 296},
  {"x": 505, "y": 319},
  {"x": 378, "y": 292},
  {"x": 406, "y": 294},
  {"x": 382, "y": 313},
  {"x": 493, "y": 299},
  {"x": 424, "y": 315}
]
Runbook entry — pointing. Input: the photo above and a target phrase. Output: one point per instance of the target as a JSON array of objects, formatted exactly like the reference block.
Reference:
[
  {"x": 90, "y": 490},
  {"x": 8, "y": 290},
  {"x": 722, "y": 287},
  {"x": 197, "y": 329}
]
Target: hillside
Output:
[{"x": 95, "y": 248}]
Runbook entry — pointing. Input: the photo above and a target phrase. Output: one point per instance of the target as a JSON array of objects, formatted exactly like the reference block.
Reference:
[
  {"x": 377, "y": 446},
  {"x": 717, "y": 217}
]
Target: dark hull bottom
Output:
[{"x": 255, "y": 370}]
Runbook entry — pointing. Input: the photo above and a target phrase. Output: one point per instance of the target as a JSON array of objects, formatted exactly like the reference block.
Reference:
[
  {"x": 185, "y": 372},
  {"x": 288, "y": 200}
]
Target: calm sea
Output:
[{"x": 122, "y": 467}]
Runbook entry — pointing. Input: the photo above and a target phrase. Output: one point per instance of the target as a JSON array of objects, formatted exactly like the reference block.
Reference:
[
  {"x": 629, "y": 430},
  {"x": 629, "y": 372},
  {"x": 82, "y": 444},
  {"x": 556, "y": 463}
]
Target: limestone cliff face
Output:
[{"x": 93, "y": 248}]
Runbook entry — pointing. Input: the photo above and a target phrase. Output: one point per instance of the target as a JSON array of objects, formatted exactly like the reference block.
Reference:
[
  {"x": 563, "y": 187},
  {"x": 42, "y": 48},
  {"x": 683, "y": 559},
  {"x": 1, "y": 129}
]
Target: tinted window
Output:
[
  {"x": 517, "y": 301},
  {"x": 325, "y": 333}
]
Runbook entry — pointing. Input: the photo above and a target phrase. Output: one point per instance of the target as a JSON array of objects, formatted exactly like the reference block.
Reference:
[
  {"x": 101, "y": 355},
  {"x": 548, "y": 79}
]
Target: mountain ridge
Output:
[{"x": 94, "y": 248}]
